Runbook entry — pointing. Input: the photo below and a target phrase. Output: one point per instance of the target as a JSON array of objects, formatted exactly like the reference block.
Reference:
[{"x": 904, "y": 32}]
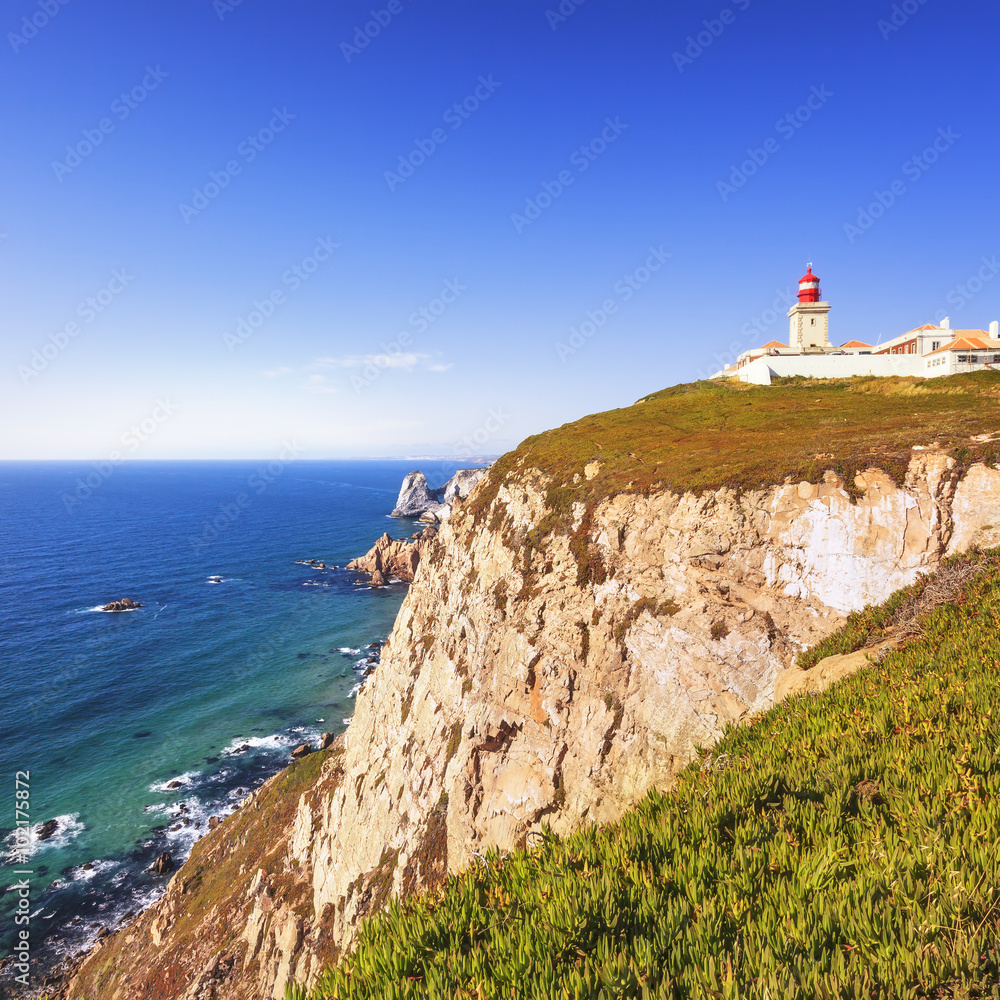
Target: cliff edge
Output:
[{"x": 611, "y": 596}]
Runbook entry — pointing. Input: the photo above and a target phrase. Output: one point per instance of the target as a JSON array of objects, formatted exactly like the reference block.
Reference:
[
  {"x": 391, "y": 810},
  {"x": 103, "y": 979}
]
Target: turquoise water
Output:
[{"x": 210, "y": 684}]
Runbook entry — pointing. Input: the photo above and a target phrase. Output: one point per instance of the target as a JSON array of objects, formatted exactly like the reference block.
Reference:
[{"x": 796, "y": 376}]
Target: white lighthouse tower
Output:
[{"x": 810, "y": 318}]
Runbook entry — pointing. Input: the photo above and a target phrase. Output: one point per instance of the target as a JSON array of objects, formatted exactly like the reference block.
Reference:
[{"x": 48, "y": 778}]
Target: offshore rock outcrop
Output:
[
  {"x": 520, "y": 688},
  {"x": 390, "y": 557},
  {"x": 417, "y": 499}
]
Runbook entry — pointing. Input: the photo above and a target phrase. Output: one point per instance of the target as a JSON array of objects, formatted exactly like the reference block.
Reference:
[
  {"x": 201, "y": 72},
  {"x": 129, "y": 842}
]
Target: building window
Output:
[
  {"x": 964, "y": 359},
  {"x": 935, "y": 344},
  {"x": 996, "y": 359},
  {"x": 812, "y": 322}
]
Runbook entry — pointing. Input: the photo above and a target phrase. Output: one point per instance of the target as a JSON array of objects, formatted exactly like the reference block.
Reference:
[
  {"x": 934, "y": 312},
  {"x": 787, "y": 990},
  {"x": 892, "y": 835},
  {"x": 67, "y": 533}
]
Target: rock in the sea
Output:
[
  {"x": 393, "y": 557},
  {"x": 213, "y": 822},
  {"x": 415, "y": 496},
  {"x": 47, "y": 830},
  {"x": 417, "y": 499},
  {"x": 173, "y": 784},
  {"x": 302, "y": 750},
  {"x": 163, "y": 865},
  {"x": 125, "y": 604},
  {"x": 460, "y": 485}
]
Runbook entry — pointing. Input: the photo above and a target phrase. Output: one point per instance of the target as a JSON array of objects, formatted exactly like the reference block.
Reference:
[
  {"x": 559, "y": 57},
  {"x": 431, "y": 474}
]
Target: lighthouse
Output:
[{"x": 810, "y": 318}]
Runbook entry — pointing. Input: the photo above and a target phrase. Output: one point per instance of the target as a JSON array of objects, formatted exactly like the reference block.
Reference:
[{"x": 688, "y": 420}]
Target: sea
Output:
[{"x": 132, "y": 729}]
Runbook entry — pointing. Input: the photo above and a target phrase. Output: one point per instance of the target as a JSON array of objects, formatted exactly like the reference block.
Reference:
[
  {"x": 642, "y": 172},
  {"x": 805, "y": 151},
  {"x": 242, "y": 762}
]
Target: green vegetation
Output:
[
  {"x": 843, "y": 845},
  {"x": 705, "y": 435}
]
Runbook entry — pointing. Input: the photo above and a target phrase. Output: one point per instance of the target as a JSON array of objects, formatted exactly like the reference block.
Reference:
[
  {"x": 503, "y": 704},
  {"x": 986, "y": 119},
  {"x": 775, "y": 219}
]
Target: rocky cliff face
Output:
[{"x": 522, "y": 688}]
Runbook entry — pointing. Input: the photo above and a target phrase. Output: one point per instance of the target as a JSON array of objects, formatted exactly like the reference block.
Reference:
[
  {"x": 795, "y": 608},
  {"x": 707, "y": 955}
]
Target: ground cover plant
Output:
[
  {"x": 842, "y": 845},
  {"x": 705, "y": 435}
]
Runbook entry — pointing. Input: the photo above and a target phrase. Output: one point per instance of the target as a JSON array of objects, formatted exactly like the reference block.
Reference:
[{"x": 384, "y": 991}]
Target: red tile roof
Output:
[
  {"x": 973, "y": 343},
  {"x": 775, "y": 343},
  {"x": 855, "y": 343}
]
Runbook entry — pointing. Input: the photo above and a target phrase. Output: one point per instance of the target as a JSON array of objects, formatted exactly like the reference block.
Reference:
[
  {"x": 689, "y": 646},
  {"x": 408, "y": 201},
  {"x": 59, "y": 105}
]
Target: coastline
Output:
[
  {"x": 185, "y": 817},
  {"x": 305, "y": 639}
]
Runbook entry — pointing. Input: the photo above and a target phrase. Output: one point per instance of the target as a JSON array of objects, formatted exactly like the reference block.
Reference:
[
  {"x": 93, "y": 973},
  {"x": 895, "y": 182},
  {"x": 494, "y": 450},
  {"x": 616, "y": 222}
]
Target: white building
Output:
[
  {"x": 928, "y": 351},
  {"x": 970, "y": 351}
]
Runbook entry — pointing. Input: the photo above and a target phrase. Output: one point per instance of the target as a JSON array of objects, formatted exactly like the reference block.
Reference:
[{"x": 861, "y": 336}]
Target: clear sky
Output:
[{"x": 372, "y": 228}]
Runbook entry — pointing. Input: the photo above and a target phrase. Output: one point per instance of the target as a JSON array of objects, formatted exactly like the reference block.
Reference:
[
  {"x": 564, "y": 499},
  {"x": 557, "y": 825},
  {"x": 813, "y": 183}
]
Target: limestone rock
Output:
[
  {"x": 417, "y": 499},
  {"x": 393, "y": 557},
  {"x": 302, "y": 750},
  {"x": 461, "y": 484},
  {"x": 826, "y": 673},
  {"x": 505, "y": 702}
]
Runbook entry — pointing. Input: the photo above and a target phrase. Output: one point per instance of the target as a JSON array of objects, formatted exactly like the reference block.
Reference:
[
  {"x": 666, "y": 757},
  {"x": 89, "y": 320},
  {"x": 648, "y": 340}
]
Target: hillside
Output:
[
  {"x": 614, "y": 594},
  {"x": 706, "y": 435},
  {"x": 841, "y": 845}
]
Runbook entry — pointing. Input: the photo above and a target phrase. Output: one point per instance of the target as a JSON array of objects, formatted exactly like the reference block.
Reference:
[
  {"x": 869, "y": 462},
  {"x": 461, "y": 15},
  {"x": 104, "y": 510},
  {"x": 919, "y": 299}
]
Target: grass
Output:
[
  {"x": 706, "y": 435},
  {"x": 843, "y": 845}
]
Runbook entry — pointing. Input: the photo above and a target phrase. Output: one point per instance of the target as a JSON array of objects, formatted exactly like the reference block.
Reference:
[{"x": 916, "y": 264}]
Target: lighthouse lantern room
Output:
[{"x": 810, "y": 318}]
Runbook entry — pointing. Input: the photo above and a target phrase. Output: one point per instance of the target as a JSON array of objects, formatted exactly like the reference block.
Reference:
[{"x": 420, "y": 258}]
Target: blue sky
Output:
[{"x": 514, "y": 169}]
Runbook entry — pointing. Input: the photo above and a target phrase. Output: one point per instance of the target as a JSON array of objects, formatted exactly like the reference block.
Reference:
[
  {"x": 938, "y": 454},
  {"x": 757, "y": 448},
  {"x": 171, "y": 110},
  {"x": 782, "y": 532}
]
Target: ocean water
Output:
[{"x": 237, "y": 655}]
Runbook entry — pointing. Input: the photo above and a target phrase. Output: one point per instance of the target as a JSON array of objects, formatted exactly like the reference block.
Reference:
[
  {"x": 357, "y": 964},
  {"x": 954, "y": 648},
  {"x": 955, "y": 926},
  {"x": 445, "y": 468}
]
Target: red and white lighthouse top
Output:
[{"x": 809, "y": 287}]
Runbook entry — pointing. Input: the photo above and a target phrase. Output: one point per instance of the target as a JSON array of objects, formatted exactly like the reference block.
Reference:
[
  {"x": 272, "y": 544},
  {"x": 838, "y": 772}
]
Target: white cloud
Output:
[
  {"x": 406, "y": 361},
  {"x": 440, "y": 367}
]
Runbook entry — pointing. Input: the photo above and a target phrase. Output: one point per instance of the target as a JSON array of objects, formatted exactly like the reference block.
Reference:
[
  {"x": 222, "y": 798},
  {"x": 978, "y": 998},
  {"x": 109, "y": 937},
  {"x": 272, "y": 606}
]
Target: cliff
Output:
[
  {"x": 612, "y": 596},
  {"x": 390, "y": 557}
]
